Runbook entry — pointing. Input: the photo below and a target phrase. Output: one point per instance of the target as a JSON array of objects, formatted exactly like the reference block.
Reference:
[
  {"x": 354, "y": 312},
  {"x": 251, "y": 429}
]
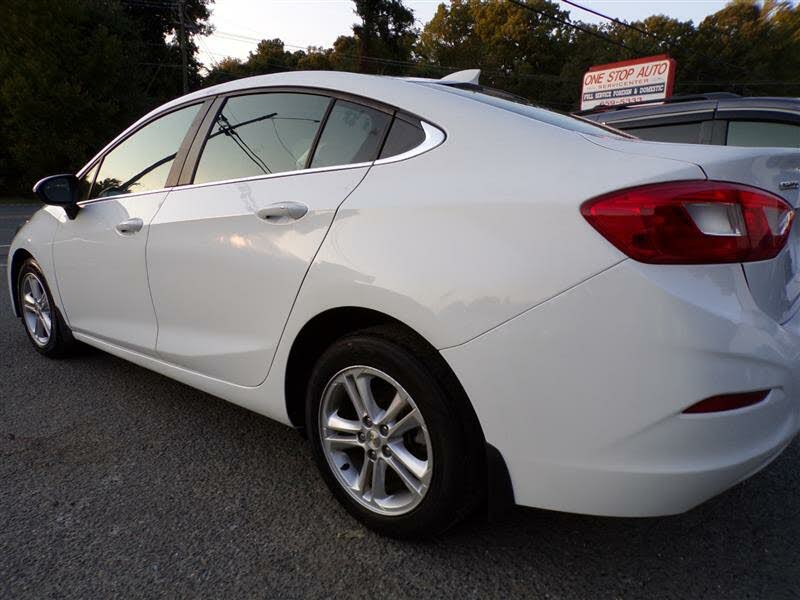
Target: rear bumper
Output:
[{"x": 583, "y": 395}]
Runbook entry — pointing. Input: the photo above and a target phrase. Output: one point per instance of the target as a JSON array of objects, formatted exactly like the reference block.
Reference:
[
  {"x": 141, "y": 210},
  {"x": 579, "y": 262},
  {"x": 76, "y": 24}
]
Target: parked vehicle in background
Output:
[
  {"x": 720, "y": 119},
  {"x": 457, "y": 295}
]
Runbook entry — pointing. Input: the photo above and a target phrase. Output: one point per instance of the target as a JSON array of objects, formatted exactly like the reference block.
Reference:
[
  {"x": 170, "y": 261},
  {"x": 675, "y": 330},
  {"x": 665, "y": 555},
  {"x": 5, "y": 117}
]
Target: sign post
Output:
[{"x": 629, "y": 81}]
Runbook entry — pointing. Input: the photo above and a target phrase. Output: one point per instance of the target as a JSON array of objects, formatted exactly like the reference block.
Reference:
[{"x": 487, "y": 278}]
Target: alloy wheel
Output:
[
  {"x": 36, "y": 309},
  {"x": 375, "y": 440}
]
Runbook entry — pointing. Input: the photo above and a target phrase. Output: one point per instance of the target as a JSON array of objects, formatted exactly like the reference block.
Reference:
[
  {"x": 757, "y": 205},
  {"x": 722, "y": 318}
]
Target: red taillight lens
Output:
[
  {"x": 727, "y": 402},
  {"x": 692, "y": 222}
]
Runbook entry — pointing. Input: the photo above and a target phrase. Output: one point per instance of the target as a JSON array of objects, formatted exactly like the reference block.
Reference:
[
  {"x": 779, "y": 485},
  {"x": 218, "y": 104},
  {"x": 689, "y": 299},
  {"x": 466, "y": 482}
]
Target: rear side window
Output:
[
  {"x": 353, "y": 134},
  {"x": 763, "y": 134},
  {"x": 260, "y": 134},
  {"x": 682, "y": 133},
  {"x": 143, "y": 160},
  {"x": 406, "y": 134}
]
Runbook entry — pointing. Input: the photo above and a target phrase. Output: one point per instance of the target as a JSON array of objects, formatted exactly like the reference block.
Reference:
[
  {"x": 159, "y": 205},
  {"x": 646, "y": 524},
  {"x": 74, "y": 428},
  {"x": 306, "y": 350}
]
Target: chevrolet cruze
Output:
[{"x": 462, "y": 299}]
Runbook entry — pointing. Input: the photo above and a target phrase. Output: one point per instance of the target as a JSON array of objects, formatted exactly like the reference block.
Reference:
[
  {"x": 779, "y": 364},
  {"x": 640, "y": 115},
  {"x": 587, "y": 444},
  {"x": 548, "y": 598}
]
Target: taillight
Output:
[{"x": 692, "y": 222}]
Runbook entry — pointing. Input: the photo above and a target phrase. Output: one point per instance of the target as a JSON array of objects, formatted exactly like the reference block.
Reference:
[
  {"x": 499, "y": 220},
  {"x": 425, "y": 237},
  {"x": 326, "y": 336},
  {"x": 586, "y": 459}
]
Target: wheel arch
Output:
[
  {"x": 325, "y": 328},
  {"x": 20, "y": 256}
]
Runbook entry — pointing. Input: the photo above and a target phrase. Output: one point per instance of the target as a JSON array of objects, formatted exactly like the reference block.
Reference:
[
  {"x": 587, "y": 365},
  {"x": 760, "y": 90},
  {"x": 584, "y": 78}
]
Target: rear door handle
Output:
[
  {"x": 130, "y": 225},
  {"x": 282, "y": 212}
]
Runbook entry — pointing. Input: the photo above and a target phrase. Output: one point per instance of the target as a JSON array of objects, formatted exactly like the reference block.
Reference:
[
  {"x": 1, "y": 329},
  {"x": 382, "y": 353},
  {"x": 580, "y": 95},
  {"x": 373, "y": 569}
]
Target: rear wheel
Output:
[
  {"x": 43, "y": 323},
  {"x": 389, "y": 438}
]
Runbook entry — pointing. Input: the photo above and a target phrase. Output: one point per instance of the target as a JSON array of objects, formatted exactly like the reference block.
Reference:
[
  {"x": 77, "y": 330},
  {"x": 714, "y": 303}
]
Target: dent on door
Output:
[{"x": 226, "y": 262}]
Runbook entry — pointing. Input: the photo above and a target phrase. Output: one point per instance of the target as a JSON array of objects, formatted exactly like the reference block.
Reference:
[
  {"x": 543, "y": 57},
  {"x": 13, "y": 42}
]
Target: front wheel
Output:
[
  {"x": 43, "y": 323},
  {"x": 389, "y": 437}
]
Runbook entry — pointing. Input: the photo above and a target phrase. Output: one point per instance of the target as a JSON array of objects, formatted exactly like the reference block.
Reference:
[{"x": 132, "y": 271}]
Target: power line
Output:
[
  {"x": 612, "y": 19},
  {"x": 649, "y": 34},
  {"x": 585, "y": 30}
]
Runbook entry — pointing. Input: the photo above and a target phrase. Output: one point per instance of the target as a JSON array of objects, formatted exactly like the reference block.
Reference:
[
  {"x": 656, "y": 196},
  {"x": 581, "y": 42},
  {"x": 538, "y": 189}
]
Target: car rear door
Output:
[
  {"x": 228, "y": 251},
  {"x": 100, "y": 255}
]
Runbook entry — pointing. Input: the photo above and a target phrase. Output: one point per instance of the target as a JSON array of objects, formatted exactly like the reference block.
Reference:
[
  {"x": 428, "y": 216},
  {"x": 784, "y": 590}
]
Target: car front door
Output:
[
  {"x": 100, "y": 255},
  {"x": 227, "y": 253}
]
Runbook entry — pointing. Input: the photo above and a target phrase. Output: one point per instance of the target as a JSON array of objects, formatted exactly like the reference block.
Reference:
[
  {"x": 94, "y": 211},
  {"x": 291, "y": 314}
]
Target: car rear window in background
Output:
[
  {"x": 763, "y": 134},
  {"x": 143, "y": 160},
  {"x": 260, "y": 134},
  {"x": 682, "y": 133},
  {"x": 522, "y": 107},
  {"x": 353, "y": 134},
  {"x": 406, "y": 133}
]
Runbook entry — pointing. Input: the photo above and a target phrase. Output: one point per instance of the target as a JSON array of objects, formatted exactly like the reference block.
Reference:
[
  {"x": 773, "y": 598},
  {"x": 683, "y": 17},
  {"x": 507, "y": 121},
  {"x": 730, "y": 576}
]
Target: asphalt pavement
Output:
[
  {"x": 117, "y": 482},
  {"x": 11, "y": 215}
]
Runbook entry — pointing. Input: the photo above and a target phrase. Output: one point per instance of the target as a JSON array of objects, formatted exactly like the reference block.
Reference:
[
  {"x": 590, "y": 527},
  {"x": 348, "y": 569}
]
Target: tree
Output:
[
  {"x": 72, "y": 74},
  {"x": 517, "y": 49},
  {"x": 385, "y": 36}
]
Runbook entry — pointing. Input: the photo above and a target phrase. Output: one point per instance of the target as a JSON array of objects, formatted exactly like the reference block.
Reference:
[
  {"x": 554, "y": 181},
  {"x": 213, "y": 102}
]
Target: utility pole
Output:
[{"x": 182, "y": 40}]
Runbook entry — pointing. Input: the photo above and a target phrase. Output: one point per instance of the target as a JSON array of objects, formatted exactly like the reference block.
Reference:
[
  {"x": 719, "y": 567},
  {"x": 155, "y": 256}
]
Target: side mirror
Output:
[{"x": 59, "y": 190}]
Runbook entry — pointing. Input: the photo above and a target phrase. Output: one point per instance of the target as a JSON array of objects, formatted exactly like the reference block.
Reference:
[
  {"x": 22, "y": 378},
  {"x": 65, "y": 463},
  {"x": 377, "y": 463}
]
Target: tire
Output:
[
  {"x": 438, "y": 455},
  {"x": 37, "y": 308}
]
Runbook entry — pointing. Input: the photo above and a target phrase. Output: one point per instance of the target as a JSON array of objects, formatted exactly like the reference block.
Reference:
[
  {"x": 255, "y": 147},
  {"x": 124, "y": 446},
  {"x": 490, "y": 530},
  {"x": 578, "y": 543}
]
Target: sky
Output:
[{"x": 240, "y": 24}]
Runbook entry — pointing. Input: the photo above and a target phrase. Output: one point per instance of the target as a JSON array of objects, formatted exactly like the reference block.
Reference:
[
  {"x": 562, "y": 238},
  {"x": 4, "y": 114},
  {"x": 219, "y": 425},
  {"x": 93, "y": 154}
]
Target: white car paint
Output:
[
  {"x": 101, "y": 273},
  {"x": 577, "y": 360},
  {"x": 204, "y": 229}
]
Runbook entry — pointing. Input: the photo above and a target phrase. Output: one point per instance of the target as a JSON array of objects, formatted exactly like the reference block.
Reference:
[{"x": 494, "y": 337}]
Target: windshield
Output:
[{"x": 520, "y": 106}]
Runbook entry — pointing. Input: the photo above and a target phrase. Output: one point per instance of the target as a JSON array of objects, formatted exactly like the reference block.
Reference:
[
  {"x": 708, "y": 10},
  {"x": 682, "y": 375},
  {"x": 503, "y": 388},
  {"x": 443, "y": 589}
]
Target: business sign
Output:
[{"x": 639, "y": 80}]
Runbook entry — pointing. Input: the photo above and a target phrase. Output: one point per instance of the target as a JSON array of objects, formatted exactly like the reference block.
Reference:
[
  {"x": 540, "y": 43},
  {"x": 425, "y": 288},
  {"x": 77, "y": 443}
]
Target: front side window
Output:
[
  {"x": 142, "y": 161},
  {"x": 261, "y": 134},
  {"x": 763, "y": 134},
  {"x": 353, "y": 134},
  {"x": 85, "y": 183}
]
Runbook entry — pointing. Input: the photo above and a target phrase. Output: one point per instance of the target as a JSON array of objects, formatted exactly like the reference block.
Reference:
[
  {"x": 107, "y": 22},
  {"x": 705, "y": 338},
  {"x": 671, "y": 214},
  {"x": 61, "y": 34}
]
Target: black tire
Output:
[
  {"x": 60, "y": 343},
  {"x": 456, "y": 486}
]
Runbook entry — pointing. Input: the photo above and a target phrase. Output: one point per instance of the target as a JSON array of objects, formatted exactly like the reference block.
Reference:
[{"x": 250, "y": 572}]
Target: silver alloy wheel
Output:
[
  {"x": 36, "y": 309},
  {"x": 375, "y": 440}
]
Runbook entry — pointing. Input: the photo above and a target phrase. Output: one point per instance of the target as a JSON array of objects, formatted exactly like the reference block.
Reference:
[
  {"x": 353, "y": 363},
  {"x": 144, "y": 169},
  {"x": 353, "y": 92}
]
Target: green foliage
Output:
[
  {"x": 385, "y": 35},
  {"x": 73, "y": 74},
  {"x": 748, "y": 47}
]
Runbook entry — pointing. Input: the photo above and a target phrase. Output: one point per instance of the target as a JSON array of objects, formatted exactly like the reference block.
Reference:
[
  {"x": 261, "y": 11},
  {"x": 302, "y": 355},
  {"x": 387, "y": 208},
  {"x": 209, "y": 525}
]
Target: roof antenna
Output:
[{"x": 470, "y": 76}]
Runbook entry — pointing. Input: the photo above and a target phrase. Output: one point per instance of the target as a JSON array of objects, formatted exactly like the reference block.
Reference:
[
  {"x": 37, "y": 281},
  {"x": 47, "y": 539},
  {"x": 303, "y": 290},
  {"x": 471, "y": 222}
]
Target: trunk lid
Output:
[{"x": 774, "y": 284}]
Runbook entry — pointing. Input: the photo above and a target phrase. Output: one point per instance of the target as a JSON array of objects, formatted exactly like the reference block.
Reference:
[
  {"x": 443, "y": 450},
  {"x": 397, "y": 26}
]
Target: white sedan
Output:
[{"x": 462, "y": 299}]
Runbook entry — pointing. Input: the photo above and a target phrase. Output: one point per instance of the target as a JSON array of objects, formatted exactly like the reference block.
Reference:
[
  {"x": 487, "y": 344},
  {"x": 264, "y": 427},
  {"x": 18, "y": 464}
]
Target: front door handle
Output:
[
  {"x": 282, "y": 212},
  {"x": 130, "y": 225}
]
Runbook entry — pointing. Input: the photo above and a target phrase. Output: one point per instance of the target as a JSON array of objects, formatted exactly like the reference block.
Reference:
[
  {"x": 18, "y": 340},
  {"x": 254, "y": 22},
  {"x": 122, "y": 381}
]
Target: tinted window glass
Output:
[
  {"x": 352, "y": 134},
  {"x": 259, "y": 134},
  {"x": 684, "y": 133},
  {"x": 763, "y": 134},
  {"x": 142, "y": 162},
  {"x": 404, "y": 135},
  {"x": 85, "y": 183}
]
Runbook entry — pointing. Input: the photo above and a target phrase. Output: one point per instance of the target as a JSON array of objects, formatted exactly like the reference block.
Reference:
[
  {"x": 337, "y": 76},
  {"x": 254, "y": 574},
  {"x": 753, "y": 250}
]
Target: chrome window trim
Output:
[
  {"x": 273, "y": 175},
  {"x": 131, "y": 195},
  {"x": 433, "y": 138}
]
